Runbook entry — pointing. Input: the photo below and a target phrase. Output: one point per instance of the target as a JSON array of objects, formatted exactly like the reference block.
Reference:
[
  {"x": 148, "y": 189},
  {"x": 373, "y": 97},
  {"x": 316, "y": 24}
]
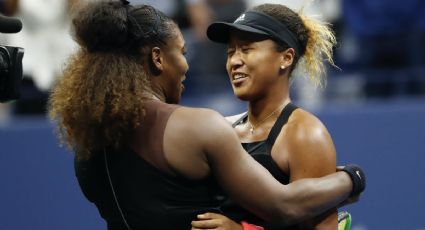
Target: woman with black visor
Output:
[{"x": 265, "y": 45}]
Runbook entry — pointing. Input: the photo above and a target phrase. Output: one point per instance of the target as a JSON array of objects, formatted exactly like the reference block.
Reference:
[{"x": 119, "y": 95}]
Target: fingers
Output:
[
  {"x": 208, "y": 220},
  {"x": 205, "y": 224},
  {"x": 214, "y": 221},
  {"x": 209, "y": 215}
]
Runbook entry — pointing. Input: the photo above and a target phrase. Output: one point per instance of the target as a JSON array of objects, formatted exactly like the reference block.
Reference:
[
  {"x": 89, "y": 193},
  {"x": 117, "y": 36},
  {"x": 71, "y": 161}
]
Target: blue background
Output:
[{"x": 39, "y": 189}]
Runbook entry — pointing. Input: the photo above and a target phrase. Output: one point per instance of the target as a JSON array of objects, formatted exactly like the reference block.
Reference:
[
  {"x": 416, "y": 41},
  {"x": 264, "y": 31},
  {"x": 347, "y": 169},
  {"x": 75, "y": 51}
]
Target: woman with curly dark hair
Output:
[{"x": 145, "y": 162}]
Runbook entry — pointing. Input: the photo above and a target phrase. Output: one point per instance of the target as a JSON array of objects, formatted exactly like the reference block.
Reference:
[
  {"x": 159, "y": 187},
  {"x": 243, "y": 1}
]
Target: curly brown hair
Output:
[
  {"x": 99, "y": 99},
  {"x": 315, "y": 38}
]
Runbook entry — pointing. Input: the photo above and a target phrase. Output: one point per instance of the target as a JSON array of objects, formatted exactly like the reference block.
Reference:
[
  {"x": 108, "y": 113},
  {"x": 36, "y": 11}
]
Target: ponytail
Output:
[
  {"x": 319, "y": 49},
  {"x": 316, "y": 39}
]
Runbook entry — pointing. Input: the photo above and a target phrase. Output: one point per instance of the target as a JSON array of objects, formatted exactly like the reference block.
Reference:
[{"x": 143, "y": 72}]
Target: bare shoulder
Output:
[
  {"x": 198, "y": 119},
  {"x": 196, "y": 112},
  {"x": 203, "y": 129},
  {"x": 188, "y": 133},
  {"x": 305, "y": 129},
  {"x": 234, "y": 118},
  {"x": 311, "y": 152},
  {"x": 304, "y": 124}
]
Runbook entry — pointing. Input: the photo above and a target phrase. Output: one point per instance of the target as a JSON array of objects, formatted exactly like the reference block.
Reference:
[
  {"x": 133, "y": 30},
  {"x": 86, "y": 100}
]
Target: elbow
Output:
[
  {"x": 293, "y": 209},
  {"x": 288, "y": 216}
]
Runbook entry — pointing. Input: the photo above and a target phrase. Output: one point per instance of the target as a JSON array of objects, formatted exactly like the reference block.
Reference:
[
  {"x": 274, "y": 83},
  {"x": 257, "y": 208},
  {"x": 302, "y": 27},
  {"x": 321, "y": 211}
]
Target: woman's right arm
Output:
[{"x": 200, "y": 142}]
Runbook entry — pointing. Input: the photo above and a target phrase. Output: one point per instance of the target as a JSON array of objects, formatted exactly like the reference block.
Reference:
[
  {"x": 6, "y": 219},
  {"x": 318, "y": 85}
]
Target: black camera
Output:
[{"x": 10, "y": 62}]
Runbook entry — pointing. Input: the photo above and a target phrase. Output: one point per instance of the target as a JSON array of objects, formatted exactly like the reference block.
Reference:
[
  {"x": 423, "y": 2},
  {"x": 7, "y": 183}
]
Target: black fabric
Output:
[
  {"x": 277, "y": 127},
  {"x": 358, "y": 178},
  {"x": 261, "y": 152},
  {"x": 149, "y": 198},
  {"x": 258, "y": 23}
]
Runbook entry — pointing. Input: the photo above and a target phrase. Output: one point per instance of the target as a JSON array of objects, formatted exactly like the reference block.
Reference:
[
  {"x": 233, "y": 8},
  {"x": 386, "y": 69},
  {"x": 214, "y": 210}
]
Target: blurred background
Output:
[{"x": 374, "y": 107}]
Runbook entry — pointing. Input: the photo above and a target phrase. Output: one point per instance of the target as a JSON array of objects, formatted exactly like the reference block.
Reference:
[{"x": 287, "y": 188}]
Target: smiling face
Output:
[{"x": 253, "y": 65}]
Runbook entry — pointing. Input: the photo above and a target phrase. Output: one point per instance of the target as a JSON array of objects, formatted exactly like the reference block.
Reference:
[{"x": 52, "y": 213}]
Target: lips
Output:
[
  {"x": 238, "y": 78},
  {"x": 182, "y": 85}
]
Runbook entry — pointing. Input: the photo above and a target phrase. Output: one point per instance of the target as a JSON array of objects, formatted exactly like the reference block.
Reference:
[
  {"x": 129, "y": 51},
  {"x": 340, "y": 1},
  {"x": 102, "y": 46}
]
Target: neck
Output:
[
  {"x": 277, "y": 96},
  {"x": 158, "y": 94},
  {"x": 260, "y": 109}
]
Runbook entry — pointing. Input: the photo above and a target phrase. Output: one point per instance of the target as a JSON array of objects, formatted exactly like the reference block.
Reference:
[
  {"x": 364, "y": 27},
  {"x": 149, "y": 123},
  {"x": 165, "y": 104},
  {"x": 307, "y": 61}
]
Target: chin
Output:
[{"x": 241, "y": 95}]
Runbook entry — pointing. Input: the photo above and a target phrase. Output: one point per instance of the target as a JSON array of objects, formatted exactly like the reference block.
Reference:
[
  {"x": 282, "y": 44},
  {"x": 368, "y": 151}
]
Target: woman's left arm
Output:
[{"x": 310, "y": 154}]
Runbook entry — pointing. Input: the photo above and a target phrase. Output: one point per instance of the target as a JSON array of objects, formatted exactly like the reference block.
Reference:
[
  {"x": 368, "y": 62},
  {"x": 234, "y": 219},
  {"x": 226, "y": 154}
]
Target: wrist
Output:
[{"x": 357, "y": 177}]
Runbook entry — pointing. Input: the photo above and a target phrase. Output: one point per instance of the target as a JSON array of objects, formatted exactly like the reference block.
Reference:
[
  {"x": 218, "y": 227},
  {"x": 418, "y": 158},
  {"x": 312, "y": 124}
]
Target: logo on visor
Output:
[{"x": 241, "y": 18}]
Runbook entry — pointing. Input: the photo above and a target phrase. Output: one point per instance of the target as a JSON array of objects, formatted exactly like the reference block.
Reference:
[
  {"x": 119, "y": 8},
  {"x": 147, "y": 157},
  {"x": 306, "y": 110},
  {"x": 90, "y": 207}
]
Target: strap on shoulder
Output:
[{"x": 277, "y": 127}]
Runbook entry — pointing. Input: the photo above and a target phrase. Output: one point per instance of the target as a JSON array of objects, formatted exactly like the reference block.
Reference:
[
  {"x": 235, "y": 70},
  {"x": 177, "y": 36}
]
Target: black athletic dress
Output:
[
  {"x": 149, "y": 197},
  {"x": 261, "y": 152}
]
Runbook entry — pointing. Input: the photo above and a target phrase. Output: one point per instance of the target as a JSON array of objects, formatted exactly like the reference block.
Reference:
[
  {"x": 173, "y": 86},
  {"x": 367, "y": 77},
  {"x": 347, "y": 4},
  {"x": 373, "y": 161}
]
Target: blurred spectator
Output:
[
  {"x": 388, "y": 31},
  {"x": 176, "y": 9},
  {"x": 47, "y": 42},
  {"x": 8, "y": 7},
  {"x": 387, "y": 45},
  {"x": 45, "y": 36},
  {"x": 207, "y": 60}
]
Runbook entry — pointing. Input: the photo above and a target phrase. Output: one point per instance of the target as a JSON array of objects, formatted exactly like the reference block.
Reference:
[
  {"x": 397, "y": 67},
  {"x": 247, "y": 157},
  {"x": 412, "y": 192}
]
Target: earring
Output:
[{"x": 282, "y": 67}]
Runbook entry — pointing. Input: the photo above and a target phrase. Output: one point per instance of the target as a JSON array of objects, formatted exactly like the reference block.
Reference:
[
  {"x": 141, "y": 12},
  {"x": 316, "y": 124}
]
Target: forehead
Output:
[{"x": 177, "y": 38}]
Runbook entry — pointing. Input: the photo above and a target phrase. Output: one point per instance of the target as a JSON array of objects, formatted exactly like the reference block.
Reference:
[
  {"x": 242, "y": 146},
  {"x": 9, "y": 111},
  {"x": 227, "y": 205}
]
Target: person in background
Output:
[
  {"x": 47, "y": 42},
  {"x": 207, "y": 59}
]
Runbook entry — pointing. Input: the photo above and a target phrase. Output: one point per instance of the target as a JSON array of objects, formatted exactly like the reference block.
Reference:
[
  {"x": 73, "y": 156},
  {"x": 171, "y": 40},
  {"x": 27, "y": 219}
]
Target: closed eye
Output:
[
  {"x": 245, "y": 49},
  {"x": 230, "y": 52}
]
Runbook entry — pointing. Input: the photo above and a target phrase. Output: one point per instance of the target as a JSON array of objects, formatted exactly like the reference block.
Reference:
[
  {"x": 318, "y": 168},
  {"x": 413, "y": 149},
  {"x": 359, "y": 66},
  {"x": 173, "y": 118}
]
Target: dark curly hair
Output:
[{"x": 98, "y": 100}]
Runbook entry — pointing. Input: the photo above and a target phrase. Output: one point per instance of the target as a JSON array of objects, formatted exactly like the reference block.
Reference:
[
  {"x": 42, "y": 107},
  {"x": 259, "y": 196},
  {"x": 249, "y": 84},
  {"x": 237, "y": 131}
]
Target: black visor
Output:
[{"x": 257, "y": 23}]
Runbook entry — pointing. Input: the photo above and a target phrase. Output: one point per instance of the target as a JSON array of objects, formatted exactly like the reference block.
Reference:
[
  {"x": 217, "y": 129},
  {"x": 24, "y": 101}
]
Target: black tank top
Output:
[
  {"x": 150, "y": 198},
  {"x": 261, "y": 152}
]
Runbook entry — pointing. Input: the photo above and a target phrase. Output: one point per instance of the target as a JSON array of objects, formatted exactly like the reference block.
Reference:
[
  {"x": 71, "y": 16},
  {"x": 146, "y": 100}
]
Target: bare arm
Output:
[
  {"x": 311, "y": 154},
  {"x": 245, "y": 180}
]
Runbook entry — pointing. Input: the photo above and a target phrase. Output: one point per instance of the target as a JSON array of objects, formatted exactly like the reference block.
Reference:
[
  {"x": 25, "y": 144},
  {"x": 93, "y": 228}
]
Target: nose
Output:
[
  {"x": 186, "y": 66},
  {"x": 234, "y": 61}
]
